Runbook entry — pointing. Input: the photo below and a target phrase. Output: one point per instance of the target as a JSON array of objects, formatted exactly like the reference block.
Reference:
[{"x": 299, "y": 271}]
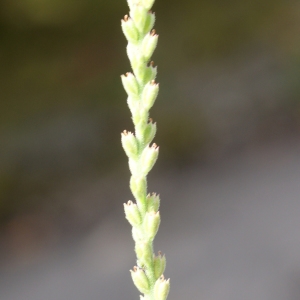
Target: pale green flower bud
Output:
[
  {"x": 149, "y": 44},
  {"x": 159, "y": 265},
  {"x": 161, "y": 288},
  {"x": 144, "y": 73},
  {"x": 139, "y": 15},
  {"x": 129, "y": 144},
  {"x": 149, "y": 132},
  {"x": 149, "y": 22},
  {"x": 148, "y": 158},
  {"x": 150, "y": 73},
  {"x": 148, "y": 3},
  {"x": 149, "y": 94},
  {"x": 151, "y": 224},
  {"x": 130, "y": 31},
  {"x": 132, "y": 213},
  {"x": 138, "y": 186},
  {"x": 153, "y": 202},
  {"x": 144, "y": 253},
  {"x": 130, "y": 84},
  {"x": 140, "y": 280}
]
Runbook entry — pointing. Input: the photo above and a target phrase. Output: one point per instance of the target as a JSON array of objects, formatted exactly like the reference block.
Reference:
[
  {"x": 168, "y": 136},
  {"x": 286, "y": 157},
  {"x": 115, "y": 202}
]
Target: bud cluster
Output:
[{"x": 142, "y": 91}]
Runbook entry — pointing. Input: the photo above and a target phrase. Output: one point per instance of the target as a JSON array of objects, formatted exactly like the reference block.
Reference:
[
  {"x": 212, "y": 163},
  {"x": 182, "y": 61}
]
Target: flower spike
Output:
[{"x": 142, "y": 91}]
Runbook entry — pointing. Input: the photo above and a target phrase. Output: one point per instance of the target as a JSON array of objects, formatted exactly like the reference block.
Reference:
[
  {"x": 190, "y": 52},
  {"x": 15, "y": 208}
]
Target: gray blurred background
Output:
[{"x": 229, "y": 166}]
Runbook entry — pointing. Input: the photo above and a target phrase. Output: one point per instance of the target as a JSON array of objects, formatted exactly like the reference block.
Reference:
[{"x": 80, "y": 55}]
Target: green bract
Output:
[
  {"x": 142, "y": 91},
  {"x": 149, "y": 45},
  {"x": 132, "y": 213},
  {"x": 129, "y": 144},
  {"x": 130, "y": 84},
  {"x": 130, "y": 31},
  {"x": 159, "y": 265},
  {"x": 161, "y": 289},
  {"x": 149, "y": 94},
  {"x": 140, "y": 280}
]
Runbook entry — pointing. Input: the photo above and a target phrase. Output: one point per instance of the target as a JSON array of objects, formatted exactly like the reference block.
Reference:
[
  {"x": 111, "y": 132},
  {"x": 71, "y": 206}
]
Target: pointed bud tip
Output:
[
  {"x": 129, "y": 203},
  {"x": 125, "y": 133},
  {"x": 155, "y": 147}
]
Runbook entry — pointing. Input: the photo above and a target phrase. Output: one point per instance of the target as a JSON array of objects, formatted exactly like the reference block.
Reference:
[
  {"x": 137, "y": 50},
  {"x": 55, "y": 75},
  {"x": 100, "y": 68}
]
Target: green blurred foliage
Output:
[{"x": 62, "y": 58}]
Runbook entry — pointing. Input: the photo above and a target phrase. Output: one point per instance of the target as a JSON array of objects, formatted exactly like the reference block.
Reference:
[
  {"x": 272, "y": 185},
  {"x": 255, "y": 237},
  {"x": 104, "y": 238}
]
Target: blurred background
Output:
[{"x": 228, "y": 124}]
